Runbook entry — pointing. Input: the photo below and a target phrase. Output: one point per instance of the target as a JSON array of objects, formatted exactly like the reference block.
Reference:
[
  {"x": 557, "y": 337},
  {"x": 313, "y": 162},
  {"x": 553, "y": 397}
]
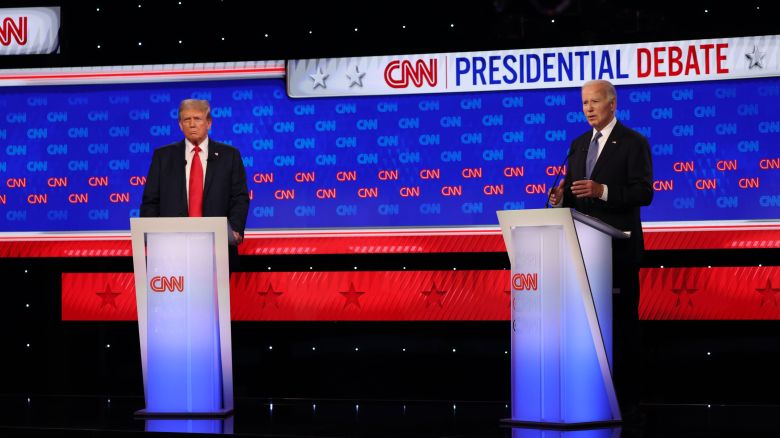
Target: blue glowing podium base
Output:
[
  {"x": 561, "y": 291},
  {"x": 182, "y": 288}
]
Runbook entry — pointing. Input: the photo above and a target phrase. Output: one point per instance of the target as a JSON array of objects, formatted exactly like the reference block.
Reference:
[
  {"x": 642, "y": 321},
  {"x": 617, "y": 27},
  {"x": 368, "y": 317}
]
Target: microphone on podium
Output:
[{"x": 557, "y": 176}]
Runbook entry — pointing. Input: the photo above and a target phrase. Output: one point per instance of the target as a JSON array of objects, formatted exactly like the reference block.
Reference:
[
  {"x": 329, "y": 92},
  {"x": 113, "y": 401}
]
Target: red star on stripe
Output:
[
  {"x": 270, "y": 296},
  {"x": 686, "y": 287},
  {"x": 108, "y": 296},
  {"x": 768, "y": 292},
  {"x": 434, "y": 295},
  {"x": 352, "y": 296}
]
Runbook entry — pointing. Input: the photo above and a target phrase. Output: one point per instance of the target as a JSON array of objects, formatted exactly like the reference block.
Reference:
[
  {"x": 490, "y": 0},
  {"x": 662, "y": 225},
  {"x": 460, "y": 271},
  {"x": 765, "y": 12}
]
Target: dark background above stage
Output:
[{"x": 119, "y": 32}]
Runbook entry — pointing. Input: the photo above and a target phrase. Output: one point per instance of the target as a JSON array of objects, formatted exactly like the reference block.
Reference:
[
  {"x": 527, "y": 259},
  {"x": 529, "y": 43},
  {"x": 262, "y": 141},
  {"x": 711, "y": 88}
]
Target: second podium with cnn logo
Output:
[
  {"x": 183, "y": 300},
  {"x": 561, "y": 317}
]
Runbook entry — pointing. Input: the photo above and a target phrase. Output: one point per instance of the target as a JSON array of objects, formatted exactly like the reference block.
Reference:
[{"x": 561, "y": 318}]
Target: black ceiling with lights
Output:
[{"x": 122, "y": 32}]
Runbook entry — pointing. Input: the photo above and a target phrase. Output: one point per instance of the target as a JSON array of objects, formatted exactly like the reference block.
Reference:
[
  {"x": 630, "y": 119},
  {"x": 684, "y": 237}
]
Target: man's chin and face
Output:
[
  {"x": 597, "y": 107},
  {"x": 195, "y": 137},
  {"x": 600, "y": 116},
  {"x": 194, "y": 125}
]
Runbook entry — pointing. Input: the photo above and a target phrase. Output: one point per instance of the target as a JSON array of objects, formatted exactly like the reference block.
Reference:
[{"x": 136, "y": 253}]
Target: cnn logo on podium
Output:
[
  {"x": 167, "y": 284},
  {"x": 525, "y": 281}
]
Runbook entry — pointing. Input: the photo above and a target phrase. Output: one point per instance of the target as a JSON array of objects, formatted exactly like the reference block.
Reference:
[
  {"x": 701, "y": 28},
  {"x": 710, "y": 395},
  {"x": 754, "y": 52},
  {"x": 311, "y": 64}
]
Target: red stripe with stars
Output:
[
  {"x": 720, "y": 293},
  {"x": 315, "y": 296}
]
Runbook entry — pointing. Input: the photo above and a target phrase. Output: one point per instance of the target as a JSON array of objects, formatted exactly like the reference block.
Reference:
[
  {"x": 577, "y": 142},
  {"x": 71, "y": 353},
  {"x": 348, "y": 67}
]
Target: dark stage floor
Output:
[{"x": 92, "y": 417}]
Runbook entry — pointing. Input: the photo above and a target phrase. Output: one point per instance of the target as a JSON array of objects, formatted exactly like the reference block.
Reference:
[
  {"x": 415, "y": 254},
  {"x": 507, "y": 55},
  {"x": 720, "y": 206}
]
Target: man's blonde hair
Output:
[{"x": 196, "y": 104}]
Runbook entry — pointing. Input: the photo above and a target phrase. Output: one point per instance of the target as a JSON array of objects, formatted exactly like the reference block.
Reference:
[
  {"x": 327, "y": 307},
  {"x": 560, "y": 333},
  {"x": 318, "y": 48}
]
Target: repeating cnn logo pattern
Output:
[
  {"x": 77, "y": 159},
  {"x": 525, "y": 281},
  {"x": 167, "y": 284}
]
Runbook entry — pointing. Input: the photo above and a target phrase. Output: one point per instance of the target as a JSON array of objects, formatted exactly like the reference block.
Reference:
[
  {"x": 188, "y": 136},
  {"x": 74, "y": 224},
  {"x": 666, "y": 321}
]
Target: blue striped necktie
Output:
[{"x": 593, "y": 155}]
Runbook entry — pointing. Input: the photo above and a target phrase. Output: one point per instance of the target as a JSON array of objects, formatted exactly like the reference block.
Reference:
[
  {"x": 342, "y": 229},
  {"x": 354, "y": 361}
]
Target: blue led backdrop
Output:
[{"x": 75, "y": 157}]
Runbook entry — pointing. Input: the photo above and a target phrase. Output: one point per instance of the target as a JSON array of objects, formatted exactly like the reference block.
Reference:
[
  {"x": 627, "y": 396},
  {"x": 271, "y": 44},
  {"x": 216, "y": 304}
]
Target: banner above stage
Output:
[{"x": 622, "y": 64}]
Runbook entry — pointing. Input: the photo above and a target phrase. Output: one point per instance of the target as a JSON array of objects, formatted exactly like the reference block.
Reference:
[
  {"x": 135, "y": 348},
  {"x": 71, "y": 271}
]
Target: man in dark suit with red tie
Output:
[
  {"x": 198, "y": 176},
  {"x": 610, "y": 176}
]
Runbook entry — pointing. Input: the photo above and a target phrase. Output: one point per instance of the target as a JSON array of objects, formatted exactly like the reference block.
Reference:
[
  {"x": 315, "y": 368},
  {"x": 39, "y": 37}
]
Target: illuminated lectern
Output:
[
  {"x": 561, "y": 317},
  {"x": 182, "y": 289}
]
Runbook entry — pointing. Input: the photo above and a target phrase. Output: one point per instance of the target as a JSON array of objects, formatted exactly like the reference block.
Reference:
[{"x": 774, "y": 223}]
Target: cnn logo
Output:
[
  {"x": 525, "y": 282},
  {"x": 167, "y": 284},
  {"x": 17, "y": 31},
  {"x": 399, "y": 73}
]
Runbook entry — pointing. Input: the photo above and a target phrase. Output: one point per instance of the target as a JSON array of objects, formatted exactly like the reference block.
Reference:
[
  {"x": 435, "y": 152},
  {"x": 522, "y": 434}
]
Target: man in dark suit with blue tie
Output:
[
  {"x": 610, "y": 176},
  {"x": 198, "y": 176}
]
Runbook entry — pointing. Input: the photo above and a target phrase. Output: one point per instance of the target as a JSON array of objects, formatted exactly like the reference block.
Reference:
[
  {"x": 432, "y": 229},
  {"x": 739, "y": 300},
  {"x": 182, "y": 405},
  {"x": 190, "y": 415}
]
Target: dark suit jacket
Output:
[
  {"x": 224, "y": 190},
  {"x": 626, "y": 167}
]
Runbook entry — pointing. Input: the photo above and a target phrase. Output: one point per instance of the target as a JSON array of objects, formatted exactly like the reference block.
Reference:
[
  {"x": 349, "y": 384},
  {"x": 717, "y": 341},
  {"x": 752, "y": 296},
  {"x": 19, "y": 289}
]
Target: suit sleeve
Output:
[
  {"x": 150, "y": 202},
  {"x": 638, "y": 189},
  {"x": 568, "y": 196},
  {"x": 239, "y": 195}
]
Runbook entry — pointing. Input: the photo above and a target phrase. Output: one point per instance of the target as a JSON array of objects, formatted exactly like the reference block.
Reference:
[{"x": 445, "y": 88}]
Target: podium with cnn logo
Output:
[
  {"x": 182, "y": 288},
  {"x": 561, "y": 318}
]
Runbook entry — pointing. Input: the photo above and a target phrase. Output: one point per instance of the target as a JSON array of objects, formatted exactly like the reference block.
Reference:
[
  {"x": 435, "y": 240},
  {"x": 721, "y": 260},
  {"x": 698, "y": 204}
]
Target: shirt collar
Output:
[
  {"x": 204, "y": 147},
  {"x": 607, "y": 130}
]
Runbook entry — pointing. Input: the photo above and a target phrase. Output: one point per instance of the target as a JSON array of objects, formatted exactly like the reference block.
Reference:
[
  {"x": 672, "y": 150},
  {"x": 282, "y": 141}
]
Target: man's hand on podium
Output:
[{"x": 237, "y": 237}]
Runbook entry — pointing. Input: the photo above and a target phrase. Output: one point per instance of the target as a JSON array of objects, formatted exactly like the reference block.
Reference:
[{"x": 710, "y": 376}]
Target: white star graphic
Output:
[
  {"x": 319, "y": 78},
  {"x": 755, "y": 58},
  {"x": 355, "y": 77}
]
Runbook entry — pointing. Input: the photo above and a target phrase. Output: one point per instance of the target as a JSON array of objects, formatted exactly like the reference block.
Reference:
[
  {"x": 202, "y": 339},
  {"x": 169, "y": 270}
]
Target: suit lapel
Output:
[
  {"x": 180, "y": 171},
  {"x": 612, "y": 143},
  {"x": 211, "y": 168},
  {"x": 577, "y": 166}
]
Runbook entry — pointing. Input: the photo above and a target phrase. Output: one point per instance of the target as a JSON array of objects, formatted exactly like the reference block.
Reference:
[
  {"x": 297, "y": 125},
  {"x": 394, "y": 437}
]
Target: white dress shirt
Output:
[{"x": 189, "y": 153}]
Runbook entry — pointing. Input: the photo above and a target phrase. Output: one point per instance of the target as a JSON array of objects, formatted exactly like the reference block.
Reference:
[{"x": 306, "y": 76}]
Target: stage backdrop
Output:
[
  {"x": 405, "y": 155},
  {"x": 74, "y": 157}
]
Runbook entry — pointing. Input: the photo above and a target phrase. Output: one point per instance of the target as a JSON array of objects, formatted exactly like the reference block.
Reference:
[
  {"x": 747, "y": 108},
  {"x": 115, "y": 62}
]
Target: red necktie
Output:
[{"x": 196, "y": 185}]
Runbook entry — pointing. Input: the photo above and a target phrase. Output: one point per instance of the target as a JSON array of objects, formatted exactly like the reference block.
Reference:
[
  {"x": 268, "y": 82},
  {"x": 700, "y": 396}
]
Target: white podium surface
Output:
[
  {"x": 183, "y": 299},
  {"x": 561, "y": 317}
]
